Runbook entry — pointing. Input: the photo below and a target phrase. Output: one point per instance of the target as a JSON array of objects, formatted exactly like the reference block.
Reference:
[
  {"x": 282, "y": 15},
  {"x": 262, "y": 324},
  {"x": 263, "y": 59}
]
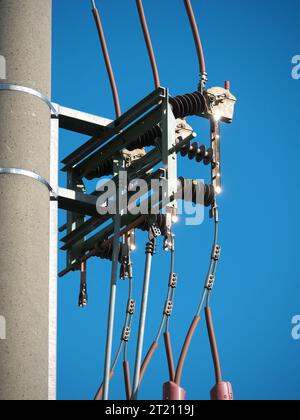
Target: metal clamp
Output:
[
  {"x": 23, "y": 89},
  {"x": 29, "y": 174},
  {"x": 210, "y": 282},
  {"x": 154, "y": 231},
  {"x": 173, "y": 280},
  {"x": 216, "y": 253},
  {"x": 126, "y": 334},
  {"x": 168, "y": 308},
  {"x": 130, "y": 307}
]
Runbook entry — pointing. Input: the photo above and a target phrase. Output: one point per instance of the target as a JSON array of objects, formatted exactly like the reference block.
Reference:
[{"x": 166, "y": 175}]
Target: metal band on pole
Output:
[
  {"x": 28, "y": 174},
  {"x": 23, "y": 89}
]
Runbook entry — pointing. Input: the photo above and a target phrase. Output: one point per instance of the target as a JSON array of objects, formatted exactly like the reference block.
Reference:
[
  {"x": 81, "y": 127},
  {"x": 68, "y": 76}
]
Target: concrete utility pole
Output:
[{"x": 25, "y": 286}]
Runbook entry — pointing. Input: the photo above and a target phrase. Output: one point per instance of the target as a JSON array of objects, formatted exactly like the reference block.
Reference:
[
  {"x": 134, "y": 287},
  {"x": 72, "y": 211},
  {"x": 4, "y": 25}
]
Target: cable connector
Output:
[
  {"x": 214, "y": 212},
  {"x": 173, "y": 280},
  {"x": 203, "y": 81},
  {"x": 126, "y": 269},
  {"x": 130, "y": 307},
  {"x": 155, "y": 231},
  {"x": 126, "y": 334},
  {"x": 168, "y": 308},
  {"x": 173, "y": 392},
  {"x": 216, "y": 253},
  {"x": 210, "y": 282},
  {"x": 83, "y": 296},
  {"x": 151, "y": 248},
  {"x": 222, "y": 392}
]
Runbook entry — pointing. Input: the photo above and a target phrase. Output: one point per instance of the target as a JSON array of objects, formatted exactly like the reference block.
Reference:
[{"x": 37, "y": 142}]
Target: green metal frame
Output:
[{"x": 111, "y": 140}]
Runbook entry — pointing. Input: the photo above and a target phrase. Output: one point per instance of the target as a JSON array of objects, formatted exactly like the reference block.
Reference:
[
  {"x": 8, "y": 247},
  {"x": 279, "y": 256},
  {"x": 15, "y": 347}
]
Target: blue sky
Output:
[{"x": 251, "y": 43}]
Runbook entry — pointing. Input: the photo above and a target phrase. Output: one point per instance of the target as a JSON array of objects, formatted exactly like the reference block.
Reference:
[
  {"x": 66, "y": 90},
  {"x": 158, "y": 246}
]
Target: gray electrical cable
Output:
[
  {"x": 172, "y": 270},
  {"x": 169, "y": 318},
  {"x": 196, "y": 319},
  {"x": 214, "y": 270},
  {"x": 117, "y": 356},
  {"x": 170, "y": 297},
  {"x": 127, "y": 322},
  {"x": 211, "y": 331},
  {"x": 160, "y": 330},
  {"x": 118, "y": 166},
  {"x": 210, "y": 270},
  {"x": 150, "y": 249}
]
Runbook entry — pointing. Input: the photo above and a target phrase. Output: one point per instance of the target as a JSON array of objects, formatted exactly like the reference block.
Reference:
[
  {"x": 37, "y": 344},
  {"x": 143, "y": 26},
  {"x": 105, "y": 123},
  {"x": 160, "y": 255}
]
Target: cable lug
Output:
[{"x": 83, "y": 297}]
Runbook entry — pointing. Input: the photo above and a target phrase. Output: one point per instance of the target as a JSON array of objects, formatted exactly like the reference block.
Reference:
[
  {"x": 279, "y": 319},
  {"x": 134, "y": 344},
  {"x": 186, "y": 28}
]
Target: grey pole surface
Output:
[
  {"x": 142, "y": 325},
  {"x": 25, "y": 44}
]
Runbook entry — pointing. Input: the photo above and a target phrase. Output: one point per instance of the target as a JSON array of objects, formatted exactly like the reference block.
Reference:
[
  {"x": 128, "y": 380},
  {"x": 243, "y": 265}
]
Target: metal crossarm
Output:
[{"x": 114, "y": 127}]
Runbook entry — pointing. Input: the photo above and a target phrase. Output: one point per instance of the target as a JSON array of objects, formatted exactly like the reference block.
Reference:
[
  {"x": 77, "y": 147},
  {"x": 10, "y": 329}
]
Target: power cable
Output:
[
  {"x": 213, "y": 342},
  {"x": 125, "y": 336},
  {"x": 150, "y": 252},
  {"x": 209, "y": 281},
  {"x": 108, "y": 64},
  {"x": 165, "y": 321},
  {"x": 198, "y": 44},
  {"x": 148, "y": 41},
  {"x": 222, "y": 391}
]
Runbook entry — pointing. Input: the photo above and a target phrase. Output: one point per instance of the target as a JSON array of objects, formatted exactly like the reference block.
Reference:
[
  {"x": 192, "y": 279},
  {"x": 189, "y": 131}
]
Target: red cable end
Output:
[
  {"x": 222, "y": 392},
  {"x": 227, "y": 85},
  {"x": 173, "y": 392}
]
